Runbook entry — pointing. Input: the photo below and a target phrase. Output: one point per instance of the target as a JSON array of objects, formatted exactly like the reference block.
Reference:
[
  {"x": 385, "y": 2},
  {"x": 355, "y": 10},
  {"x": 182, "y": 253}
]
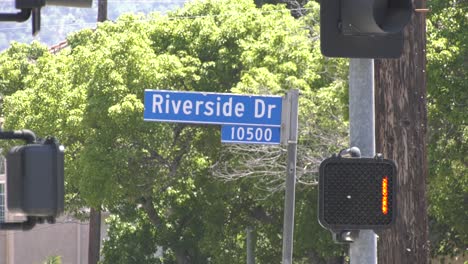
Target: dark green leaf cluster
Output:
[{"x": 447, "y": 68}]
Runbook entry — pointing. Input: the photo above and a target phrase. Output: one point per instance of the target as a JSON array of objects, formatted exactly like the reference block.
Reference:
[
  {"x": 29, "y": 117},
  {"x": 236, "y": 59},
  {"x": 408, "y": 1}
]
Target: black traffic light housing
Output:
[
  {"x": 35, "y": 179},
  {"x": 357, "y": 193},
  {"x": 32, "y": 8},
  {"x": 363, "y": 28}
]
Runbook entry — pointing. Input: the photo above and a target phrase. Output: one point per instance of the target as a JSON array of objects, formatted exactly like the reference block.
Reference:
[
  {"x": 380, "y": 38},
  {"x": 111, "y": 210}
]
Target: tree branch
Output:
[{"x": 148, "y": 207}]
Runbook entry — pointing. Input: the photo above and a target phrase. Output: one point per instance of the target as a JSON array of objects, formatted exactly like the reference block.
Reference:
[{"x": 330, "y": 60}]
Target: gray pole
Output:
[
  {"x": 250, "y": 245},
  {"x": 289, "y": 199},
  {"x": 102, "y": 10},
  {"x": 362, "y": 135}
]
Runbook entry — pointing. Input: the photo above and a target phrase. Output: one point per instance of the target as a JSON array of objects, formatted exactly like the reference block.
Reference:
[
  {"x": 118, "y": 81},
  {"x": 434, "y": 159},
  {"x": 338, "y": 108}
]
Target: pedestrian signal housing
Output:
[
  {"x": 357, "y": 193},
  {"x": 35, "y": 179}
]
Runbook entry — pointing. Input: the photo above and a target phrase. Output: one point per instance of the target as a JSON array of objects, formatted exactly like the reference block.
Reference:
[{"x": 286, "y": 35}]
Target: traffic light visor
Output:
[
  {"x": 371, "y": 17},
  {"x": 363, "y": 28}
]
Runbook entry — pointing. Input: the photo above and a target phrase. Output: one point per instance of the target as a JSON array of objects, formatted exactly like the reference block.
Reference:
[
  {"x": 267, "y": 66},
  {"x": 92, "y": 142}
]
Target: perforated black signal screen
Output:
[{"x": 356, "y": 193}]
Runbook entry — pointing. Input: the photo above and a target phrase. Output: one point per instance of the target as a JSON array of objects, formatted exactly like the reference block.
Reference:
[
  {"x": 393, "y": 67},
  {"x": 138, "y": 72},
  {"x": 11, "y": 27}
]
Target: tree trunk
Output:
[
  {"x": 94, "y": 236},
  {"x": 102, "y": 10},
  {"x": 401, "y": 120},
  {"x": 182, "y": 257}
]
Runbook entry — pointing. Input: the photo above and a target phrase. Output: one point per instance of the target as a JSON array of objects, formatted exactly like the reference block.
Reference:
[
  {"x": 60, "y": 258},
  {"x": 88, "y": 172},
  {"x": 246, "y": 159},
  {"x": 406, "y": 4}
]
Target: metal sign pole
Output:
[
  {"x": 291, "y": 119},
  {"x": 250, "y": 245},
  {"x": 362, "y": 135}
]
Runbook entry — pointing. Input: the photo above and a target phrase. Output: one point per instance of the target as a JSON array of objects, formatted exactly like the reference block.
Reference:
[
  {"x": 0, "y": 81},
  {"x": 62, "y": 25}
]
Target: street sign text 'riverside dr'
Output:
[{"x": 251, "y": 118}]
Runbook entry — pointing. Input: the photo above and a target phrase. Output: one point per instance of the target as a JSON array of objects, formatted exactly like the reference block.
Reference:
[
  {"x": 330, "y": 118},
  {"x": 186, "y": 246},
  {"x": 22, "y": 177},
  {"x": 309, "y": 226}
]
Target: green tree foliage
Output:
[
  {"x": 130, "y": 242},
  {"x": 16, "y": 66},
  {"x": 447, "y": 84},
  {"x": 156, "y": 178},
  {"x": 53, "y": 260}
]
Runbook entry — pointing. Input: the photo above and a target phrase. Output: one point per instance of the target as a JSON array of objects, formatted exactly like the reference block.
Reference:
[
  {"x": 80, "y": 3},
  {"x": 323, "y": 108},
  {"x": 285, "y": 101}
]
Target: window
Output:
[{"x": 2, "y": 202}]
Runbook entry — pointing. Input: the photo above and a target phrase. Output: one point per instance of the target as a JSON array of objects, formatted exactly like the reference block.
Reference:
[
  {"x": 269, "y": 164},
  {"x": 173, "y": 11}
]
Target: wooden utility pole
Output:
[
  {"x": 102, "y": 10},
  {"x": 94, "y": 245},
  {"x": 401, "y": 126},
  {"x": 94, "y": 241}
]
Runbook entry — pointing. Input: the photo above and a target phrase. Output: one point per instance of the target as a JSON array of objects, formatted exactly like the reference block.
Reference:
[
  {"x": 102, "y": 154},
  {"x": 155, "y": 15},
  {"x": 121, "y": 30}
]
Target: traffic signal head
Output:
[
  {"x": 357, "y": 193},
  {"x": 363, "y": 28},
  {"x": 35, "y": 184},
  {"x": 32, "y": 8}
]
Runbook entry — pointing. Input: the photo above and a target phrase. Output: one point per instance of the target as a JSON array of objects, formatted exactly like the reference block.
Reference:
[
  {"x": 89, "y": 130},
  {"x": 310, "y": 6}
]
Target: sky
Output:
[{"x": 58, "y": 22}]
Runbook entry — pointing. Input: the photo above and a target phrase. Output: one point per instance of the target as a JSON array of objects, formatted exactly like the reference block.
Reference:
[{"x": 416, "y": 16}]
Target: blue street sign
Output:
[
  {"x": 250, "y": 134},
  {"x": 212, "y": 108}
]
